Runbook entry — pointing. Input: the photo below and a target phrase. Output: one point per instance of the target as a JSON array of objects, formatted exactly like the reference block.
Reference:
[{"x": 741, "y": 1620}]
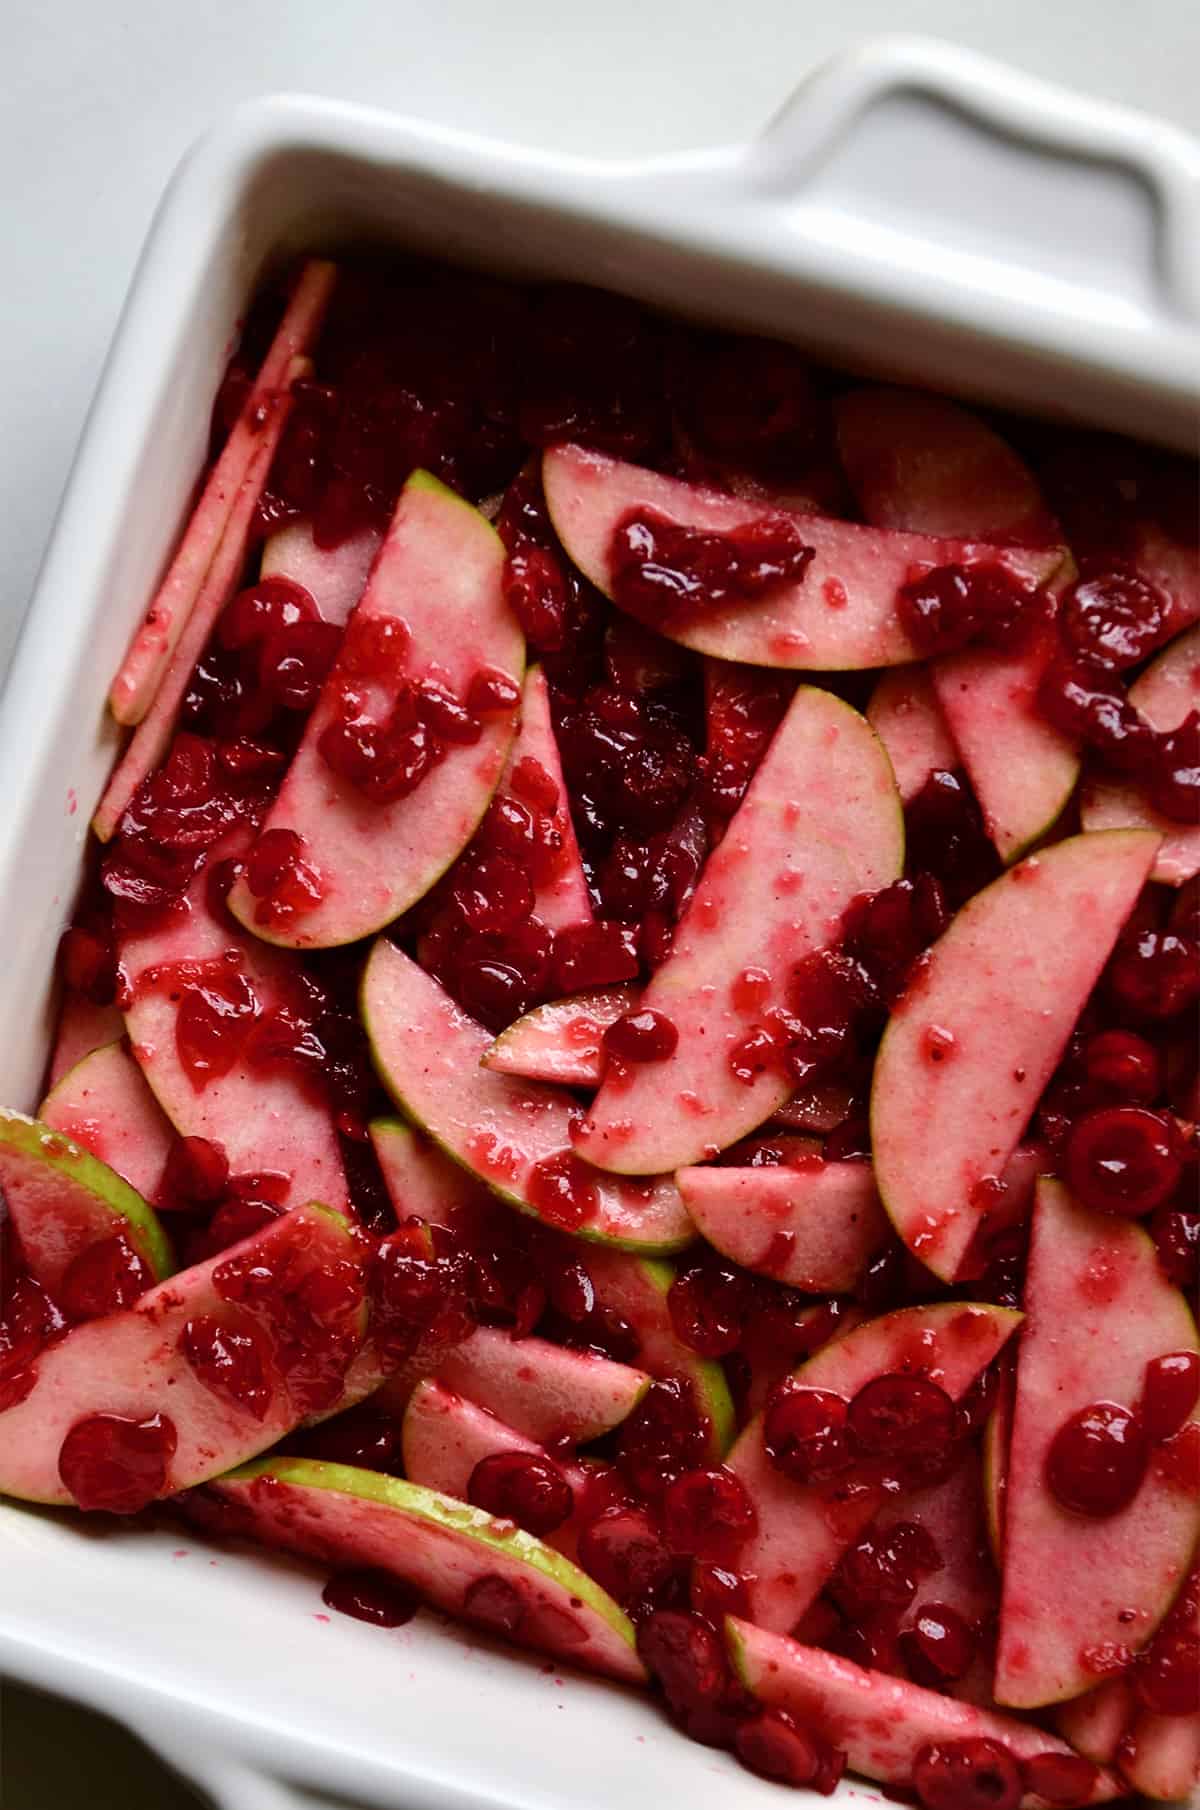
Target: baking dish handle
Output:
[{"x": 990, "y": 177}]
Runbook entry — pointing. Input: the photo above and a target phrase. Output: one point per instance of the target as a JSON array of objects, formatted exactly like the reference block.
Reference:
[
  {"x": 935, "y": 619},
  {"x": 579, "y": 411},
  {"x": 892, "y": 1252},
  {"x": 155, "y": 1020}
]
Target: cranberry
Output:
[
  {"x": 562, "y": 1192},
  {"x": 658, "y": 565},
  {"x": 116, "y": 1464},
  {"x": 594, "y": 955},
  {"x": 371, "y": 1595},
  {"x": 419, "y": 1284},
  {"x": 897, "y": 1415},
  {"x": 708, "y": 1303},
  {"x": 643, "y": 1036},
  {"x": 196, "y": 1172},
  {"x": 751, "y": 400},
  {"x": 830, "y": 996},
  {"x": 686, "y": 1656},
  {"x": 1089, "y": 706},
  {"x": 888, "y": 930},
  {"x": 1169, "y": 1393},
  {"x": 271, "y": 605},
  {"x": 625, "y": 1555},
  {"x": 883, "y": 1570},
  {"x": 536, "y": 591},
  {"x": 708, "y": 1514},
  {"x": 1155, "y": 974},
  {"x": 493, "y": 893},
  {"x": 492, "y": 693},
  {"x": 1176, "y": 1235},
  {"x": 1172, "y": 774},
  {"x": 88, "y": 965},
  {"x": 294, "y": 663},
  {"x": 365, "y": 1437},
  {"x": 1121, "y": 1068},
  {"x": 445, "y": 716},
  {"x": 530, "y": 781},
  {"x": 1112, "y": 620},
  {"x": 232, "y": 1361},
  {"x": 976, "y": 1774},
  {"x": 104, "y": 1277},
  {"x": 805, "y": 1432},
  {"x": 1062, "y": 1779},
  {"x": 1097, "y": 1460},
  {"x": 1167, "y": 1676},
  {"x": 939, "y": 1646},
  {"x": 945, "y": 836},
  {"x": 522, "y": 1487},
  {"x": 716, "y": 1592},
  {"x": 1122, "y": 1159},
  {"x": 210, "y": 1027},
  {"x": 664, "y": 1436},
  {"x": 775, "y": 1746},
  {"x": 375, "y": 647},
  {"x": 952, "y": 605}
]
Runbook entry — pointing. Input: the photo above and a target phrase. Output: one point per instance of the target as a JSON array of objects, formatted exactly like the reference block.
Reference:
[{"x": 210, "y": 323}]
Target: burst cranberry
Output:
[
  {"x": 896, "y": 1415},
  {"x": 708, "y": 1305},
  {"x": 249, "y": 765},
  {"x": 531, "y": 782},
  {"x": 413, "y": 1285},
  {"x": 775, "y": 1746},
  {"x": 643, "y": 1036},
  {"x": 562, "y": 1192},
  {"x": 664, "y": 1436},
  {"x": 522, "y": 1487},
  {"x": 715, "y": 1592},
  {"x": 1122, "y": 1159},
  {"x": 492, "y": 693},
  {"x": 210, "y": 1027},
  {"x": 493, "y": 893},
  {"x": 443, "y": 713},
  {"x": 231, "y": 1360},
  {"x": 975, "y": 1774},
  {"x": 1169, "y": 1393},
  {"x": 1172, "y": 774},
  {"x": 196, "y": 1171},
  {"x": 1176, "y": 1235},
  {"x": 945, "y": 836},
  {"x": 1121, "y": 1068},
  {"x": 103, "y": 1278},
  {"x": 1062, "y": 1779},
  {"x": 88, "y": 965},
  {"x": 1112, "y": 620},
  {"x": 594, "y": 955},
  {"x": 508, "y": 829},
  {"x": 1097, "y": 1459},
  {"x": 1167, "y": 1676},
  {"x": 686, "y": 1656},
  {"x": 1089, "y": 706},
  {"x": 805, "y": 1432},
  {"x": 536, "y": 590},
  {"x": 625, "y": 1555},
  {"x": 882, "y": 1571},
  {"x": 1155, "y": 974},
  {"x": 659, "y": 566},
  {"x": 375, "y": 647},
  {"x": 263, "y": 610},
  {"x": 888, "y": 930},
  {"x": 109, "y": 1462},
  {"x": 365, "y": 1437},
  {"x": 295, "y": 662},
  {"x": 373, "y": 1596},
  {"x": 829, "y": 996},
  {"x": 707, "y": 1514},
  {"x": 939, "y": 1646}
]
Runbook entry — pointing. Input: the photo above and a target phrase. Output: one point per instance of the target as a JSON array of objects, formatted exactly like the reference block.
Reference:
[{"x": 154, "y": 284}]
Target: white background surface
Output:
[{"x": 98, "y": 98}]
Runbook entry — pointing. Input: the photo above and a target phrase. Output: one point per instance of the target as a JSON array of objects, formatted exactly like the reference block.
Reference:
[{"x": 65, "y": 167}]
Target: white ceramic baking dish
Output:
[{"x": 914, "y": 211}]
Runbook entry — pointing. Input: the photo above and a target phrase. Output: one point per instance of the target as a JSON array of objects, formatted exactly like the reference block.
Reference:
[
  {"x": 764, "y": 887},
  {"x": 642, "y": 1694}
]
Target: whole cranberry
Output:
[
  {"x": 1112, "y": 619},
  {"x": 1062, "y": 1779},
  {"x": 977, "y": 1774},
  {"x": 1155, "y": 974},
  {"x": 708, "y": 1514},
  {"x": 896, "y": 1415},
  {"x": 805, "y": 1432},
  {"x": 1097, "y": 1459},
  {"x": 1123, "y": 1159},
  {"x": 523, "y": 1487},
  {"x": 776, "y": 1746},
  {"x": 686, "y": 1655}
]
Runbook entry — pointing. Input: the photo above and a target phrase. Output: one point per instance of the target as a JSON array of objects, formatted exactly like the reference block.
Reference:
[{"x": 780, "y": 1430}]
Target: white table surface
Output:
[{"x": 98, "y": 98}]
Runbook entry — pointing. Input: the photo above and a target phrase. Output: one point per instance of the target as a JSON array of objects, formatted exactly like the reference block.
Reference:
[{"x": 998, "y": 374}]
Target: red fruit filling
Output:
[
  {"x": 1112, "y": 620},
  {"x": 1123, "y": 1159},
  {"x": 708, "y": 1514},
  {"x": 663, "y": 1437},
  {"x": 708, "y": 1303},
  {"x": 1097, "y": 1459},
  {"x": 373, "y": 1596},
  {"x": 103, "y": 1278},
  {"x": 806, "y": 1433},
  {"x": 715, "y": 1593},
  {"x": 1120, "y": 1068},
  {"x": 562, "y": 1191},
  {"x": 949, "y": 606},
  {"x": 660, "y": 568},
  {"x": 87, "y": 963},
  {"x": 195, "y": 1174},
  {"x": 522, "y": 1487},
  {"x": 112, "y": 1463},
  {"x": 1169, "y": 1394},
  {"x": 1155, "y": 974},
  {"x": 232, "y": 1359},
  {"x": 975, "y": 1774},
  {"x": 625, "y": 1554}
]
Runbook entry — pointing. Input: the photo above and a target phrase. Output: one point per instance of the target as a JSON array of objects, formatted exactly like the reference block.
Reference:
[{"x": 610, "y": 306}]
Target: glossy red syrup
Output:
[
  {"x": 661, "y": 569},
  {"x": 103, "y": 1278},
  {"x": 372, "y": 1596},
  {"x": 117, "y": 1464},
  {"x": 232, "y": 1360}
]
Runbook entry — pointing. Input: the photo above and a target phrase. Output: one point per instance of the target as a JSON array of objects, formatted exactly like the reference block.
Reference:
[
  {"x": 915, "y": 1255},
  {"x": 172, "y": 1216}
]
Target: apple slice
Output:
[
  {"x": 840, "y": 616},
  {"x": 153, "y": 735},
  {"x": 562, "y": 1041},
  {"x": 1078, "y": 1585},
  {"x": 880, "y": 1723},
  {"x": 1094, "y": 1724},
  {"x": 157, "y": 637},
  {"x": 438, "y": 572},
  {"x": 803, "y": 1529},
  {"x": 513, "y": 1135},
  {"x": 1160, "y": 1755},
  {"x": 813, "y": 1225},
  {"x": 61, "y": 1199},
  {"x": 905, "y": 714},
  {"x": 334, "y": 577},
  {"x": 421, "y": 1180},
  {"x": 461, "y": 1560},
  {"x": 1165, "y": 693},
  {"x": 82, "y": 1028},
  {"x": 565, "y": 899},
  {"x": 974, "y": 1040},
  {"x": 133, "y": 1365},
  {"x": 105, "y": 1105},
  {"x": 265, "y": 1118},
  {"x": 922, "y": 462},
  {"x": 820, "y": 823}
]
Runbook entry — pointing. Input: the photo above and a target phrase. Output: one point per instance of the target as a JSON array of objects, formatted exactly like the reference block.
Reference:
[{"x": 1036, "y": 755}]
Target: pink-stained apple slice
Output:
[
  {"x": 156, "y": 726},
  {"x": 562, "y": 1041},
  {"x": 905, "y": 714},
  {"x": 61, "y": 1200},
  {"x": 157, "y": 637},
  {"x": 162, "y": 1358},
  {"x": 82, "y": 1028},
  {"x": 104, "y": 1104},
  {"x": 880, "y": 1723},
  {"x": 921, "y": 462},
  {"x": 1160, "y": 1754},
  {"x": 564, "y": 899},
  {"x": 813, "y": 1225},
  {"x": 422, "y": 1181},
  {"x": 820, "y": 823},
  {"x": 1022, "y": 769},
  {"x": 334, "y": 577},
  {"x": 1165, "y": 693},
  {"x": 840, "y": 616},
  {"x": 973, "y": 1041},
  {"x": 459, "y": 1559},
  {"x": 1079, "y": 1586},
  {"x": 803, "y": 1528},
  {"x": 438, "y": 572},
  {"x": 266, "y": 1117},
  {"x": 1094, "y": 1724},
  {"x": 514, "y": 1135}
]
